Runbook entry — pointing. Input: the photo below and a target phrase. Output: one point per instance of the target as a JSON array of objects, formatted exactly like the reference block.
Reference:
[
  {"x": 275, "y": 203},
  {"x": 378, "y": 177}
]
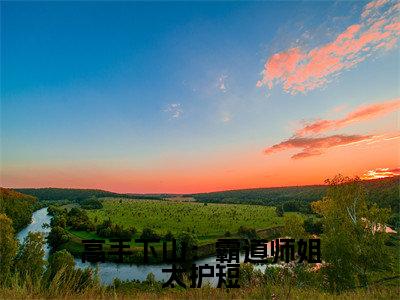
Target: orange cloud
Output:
[
  {"x": 360, "y": 114},
  {"x": 312, "y": 146},
  {"x": 381, "y": 173},
  {"x": 300, "y": 71}
]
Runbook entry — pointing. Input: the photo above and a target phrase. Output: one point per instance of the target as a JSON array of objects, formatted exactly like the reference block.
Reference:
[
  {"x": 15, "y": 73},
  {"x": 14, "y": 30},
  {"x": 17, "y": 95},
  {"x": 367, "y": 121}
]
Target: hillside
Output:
[
  {"x": 384, "y": 192},
  {"x": 75, "y": 195},
  {"x": 17, "y": 206}
]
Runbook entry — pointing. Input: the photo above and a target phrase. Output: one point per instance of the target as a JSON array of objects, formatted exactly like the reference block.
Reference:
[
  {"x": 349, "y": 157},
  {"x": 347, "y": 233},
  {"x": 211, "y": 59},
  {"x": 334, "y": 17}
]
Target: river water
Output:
[{"x": 108, "y": 271}]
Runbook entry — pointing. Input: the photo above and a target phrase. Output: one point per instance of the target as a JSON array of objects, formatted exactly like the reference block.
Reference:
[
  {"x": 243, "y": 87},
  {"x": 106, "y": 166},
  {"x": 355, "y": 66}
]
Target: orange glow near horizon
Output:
[{"x": 214, "y": 173}]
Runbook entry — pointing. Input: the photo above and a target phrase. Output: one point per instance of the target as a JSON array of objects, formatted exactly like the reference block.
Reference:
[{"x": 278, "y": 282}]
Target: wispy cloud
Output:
[
  {"x": 307, "y": 139},
  {"x": 222, "y": 83},
  {"x": 311, "y": 146},
  {"x": 226, "y": 117},
  {"x": 361, "y": 113},
  {"x": 174, "y": 110},
  {"x": 339, "y": 108},
  {"x": 299, "y": 70},
  {"x": 381, "y": 173}
]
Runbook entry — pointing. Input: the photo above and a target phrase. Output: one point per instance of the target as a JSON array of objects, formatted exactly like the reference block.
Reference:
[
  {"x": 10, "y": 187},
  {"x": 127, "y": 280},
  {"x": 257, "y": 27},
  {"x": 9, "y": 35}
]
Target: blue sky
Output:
[{"x": 156, "y": 88}]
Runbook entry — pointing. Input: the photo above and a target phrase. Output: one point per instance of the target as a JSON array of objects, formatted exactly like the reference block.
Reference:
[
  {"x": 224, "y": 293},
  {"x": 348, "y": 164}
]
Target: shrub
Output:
[
  {"x": 148, "y": 233},
  {"x": 57, "y": 237},
  {"x": 247, "y": 232}
]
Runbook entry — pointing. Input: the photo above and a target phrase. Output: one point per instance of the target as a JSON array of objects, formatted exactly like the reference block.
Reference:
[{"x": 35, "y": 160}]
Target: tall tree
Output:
[
  {"x": 293, "y": 226},
  {"x": 353, "y": 239},
  {"x": 30, "y": 258},
  {"x": 57, "y": 237},
  {"x": 60, "y": 261},
  {"x": 8, "y": 247}
]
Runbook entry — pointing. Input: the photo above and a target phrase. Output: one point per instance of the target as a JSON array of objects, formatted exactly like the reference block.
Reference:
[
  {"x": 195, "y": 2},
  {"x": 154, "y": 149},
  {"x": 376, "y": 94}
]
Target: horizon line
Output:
[{"x": 166, "y": 193}]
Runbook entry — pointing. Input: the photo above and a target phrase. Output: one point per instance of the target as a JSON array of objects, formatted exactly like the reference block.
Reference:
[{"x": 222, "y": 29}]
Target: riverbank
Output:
[
  {"x": 109, "y": 270},
  {"x": 76, "y": 248}
]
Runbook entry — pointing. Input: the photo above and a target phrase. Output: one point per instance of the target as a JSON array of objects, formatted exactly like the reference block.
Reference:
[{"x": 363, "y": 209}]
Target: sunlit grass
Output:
[{"x": 211, "y": 220}]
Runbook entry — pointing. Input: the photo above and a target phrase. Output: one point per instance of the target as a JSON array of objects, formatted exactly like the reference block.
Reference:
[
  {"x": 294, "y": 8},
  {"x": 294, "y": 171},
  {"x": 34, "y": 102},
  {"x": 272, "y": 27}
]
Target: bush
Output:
[
  {"x": 313, "y": 226},
  {"x": 148, "y": 234},
  {"x": 79, "y": 220},
  {"x": 29, "y": 261},
  {"x": 57, "y": 237},
  {"x": 245, "y": 274},
  {"x": 107, "y": 230},
  {"x": 168, "y": 236},
  {"x": 247, "y": 232},
  {"x": 60, "y": 260},
  {"x": 58, "y": 220},
  {"x": 92, "y": 203},
  {"x": 186, "y": 241},
  {"x": 394, "y": 220},
  {"x": 279, "y": 211}
]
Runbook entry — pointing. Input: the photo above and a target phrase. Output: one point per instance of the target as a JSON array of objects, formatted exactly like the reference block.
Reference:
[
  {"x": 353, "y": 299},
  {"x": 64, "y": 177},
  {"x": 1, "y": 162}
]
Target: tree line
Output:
[
  {"x": 383, "y": 192},
  {"x": 79, "y": 195}
]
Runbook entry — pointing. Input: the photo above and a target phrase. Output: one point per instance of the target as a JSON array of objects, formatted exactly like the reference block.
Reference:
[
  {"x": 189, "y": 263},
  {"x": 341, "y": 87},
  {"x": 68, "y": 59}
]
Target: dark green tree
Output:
[
  {"x": 293, "y": 226},
  {"x": 60, "y": 261},
  {"x": 148, "y": 233},
  {"x": 57, "y": 237},
  {"x": 30, "y": 258},
  {"x": 185, "y": 243},
  {"x": 8, "y": 248},
  {"x": 279, "y": 211}
]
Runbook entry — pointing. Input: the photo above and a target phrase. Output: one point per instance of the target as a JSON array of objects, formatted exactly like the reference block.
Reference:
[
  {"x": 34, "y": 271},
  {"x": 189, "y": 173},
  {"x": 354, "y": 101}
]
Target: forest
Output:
[
  {"x": 77, "y": 195},
  {"x": 19, "y": 207},
  {"x": 384, "y": 192}
]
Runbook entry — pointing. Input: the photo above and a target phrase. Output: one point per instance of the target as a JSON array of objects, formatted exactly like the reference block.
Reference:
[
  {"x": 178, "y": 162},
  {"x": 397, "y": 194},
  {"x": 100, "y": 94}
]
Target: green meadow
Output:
[{"x": 205, "y": 220}]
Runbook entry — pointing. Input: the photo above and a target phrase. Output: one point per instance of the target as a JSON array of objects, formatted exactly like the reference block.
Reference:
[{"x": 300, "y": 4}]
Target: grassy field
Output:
[
  {"x": 208, "y": 221},
  {"x": 205, "y": 220}
]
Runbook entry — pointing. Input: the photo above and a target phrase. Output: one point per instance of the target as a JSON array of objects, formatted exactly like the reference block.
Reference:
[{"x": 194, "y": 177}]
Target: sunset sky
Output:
[{"x": 194, "y": 97}]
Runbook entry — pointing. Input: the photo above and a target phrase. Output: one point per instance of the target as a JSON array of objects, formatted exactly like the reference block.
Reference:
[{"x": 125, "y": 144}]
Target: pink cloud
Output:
[
  {"x": 371, "y": 6},
  {"x": 299, "y": 70},
  {"x": 339, "y": 108},
  {"x": 360, "y": 114},
  {"x": 311, "y": 146}
]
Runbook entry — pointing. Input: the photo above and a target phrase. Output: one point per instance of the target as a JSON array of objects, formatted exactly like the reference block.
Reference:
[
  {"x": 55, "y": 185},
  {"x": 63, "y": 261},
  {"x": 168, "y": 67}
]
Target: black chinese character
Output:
[
  {"x": 275, "y": 250},
  {"x": 93, "y": 251},
  {"x": 256, "y": 252},
  {"x": 174, "y": 277},
  {"x": 287, "y": 249},
  {"x": 302, "y": 250},
  {"x": 230, "y": 278},
  {"x": 120, "y": 248},
  {"x": 204, "y": 274},
  {"x": 227, "y": 250},
  {"x": 146, "y": 249},
  {"x": 314, "y": 250}
]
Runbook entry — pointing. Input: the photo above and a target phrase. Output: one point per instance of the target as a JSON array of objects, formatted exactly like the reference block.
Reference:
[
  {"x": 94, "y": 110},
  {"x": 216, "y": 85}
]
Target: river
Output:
[{"x": 108, "y": 271}]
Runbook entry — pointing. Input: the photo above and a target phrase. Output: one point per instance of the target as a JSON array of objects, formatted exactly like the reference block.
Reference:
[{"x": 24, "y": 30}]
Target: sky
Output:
[{"x": 179, "y": 97}]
